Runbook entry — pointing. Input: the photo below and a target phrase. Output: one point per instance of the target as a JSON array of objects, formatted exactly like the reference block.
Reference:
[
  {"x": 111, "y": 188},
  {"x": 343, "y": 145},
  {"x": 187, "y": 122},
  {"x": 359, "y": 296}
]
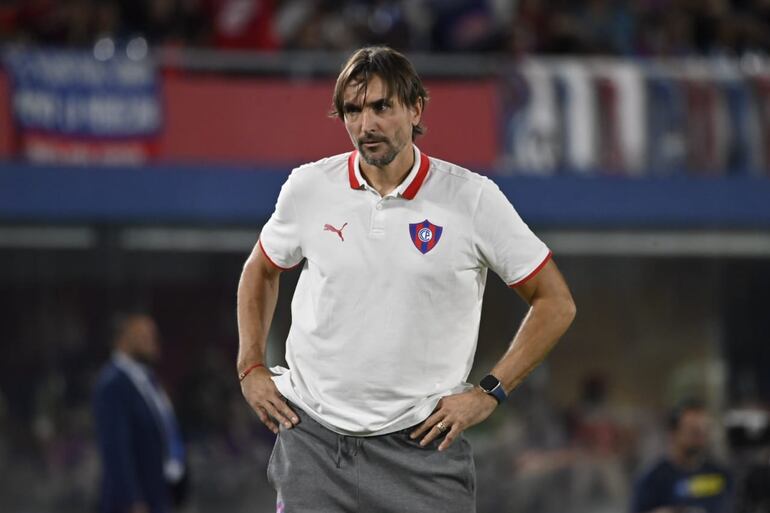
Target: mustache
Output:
[{"x": 372, "y": 140}]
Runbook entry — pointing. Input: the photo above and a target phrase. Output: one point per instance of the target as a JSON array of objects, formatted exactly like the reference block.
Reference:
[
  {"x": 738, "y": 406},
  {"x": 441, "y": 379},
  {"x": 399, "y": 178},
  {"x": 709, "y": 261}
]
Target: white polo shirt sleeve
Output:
[
  {"x": 280, "y": 237},
  {"x": 503, "y": 241}
]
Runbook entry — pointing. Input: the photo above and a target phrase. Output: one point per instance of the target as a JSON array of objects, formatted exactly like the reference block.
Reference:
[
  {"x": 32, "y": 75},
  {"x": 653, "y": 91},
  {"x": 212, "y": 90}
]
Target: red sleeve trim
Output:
[
  {"x": 533, "y": 273},
  {"x": 271, "y": 260}
]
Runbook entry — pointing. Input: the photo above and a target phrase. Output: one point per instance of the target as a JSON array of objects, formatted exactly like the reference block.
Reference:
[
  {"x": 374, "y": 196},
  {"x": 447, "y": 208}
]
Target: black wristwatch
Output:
[{"x": 492, "y": 386}]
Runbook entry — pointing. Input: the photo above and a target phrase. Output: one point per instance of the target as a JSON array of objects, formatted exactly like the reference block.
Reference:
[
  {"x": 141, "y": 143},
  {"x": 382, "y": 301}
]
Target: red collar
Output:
[{"x": 410, "y": 191}]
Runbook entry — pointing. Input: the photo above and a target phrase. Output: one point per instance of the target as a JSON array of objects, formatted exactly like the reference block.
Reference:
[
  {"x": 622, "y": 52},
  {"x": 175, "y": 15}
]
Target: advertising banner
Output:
[{"x": 69, "y": 107}]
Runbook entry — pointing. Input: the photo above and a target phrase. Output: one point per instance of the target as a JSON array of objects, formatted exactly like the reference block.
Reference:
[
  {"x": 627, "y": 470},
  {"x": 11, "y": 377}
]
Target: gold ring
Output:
[{"x": 441, "y": 426}]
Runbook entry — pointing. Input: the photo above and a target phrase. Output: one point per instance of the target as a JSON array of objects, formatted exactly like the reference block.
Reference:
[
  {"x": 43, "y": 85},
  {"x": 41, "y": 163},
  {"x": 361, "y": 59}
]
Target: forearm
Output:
[
  {"x": 547, "y": 320},
  {"x": 257, "y": 297}
]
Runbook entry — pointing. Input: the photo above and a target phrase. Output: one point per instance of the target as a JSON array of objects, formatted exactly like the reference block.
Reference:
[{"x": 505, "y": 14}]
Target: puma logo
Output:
[{"x": 330, "y": 228}]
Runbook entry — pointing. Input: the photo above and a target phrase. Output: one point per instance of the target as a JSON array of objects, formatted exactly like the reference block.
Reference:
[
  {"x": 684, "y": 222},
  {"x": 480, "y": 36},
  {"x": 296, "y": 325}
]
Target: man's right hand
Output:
[{"x": 263, "y": 397}]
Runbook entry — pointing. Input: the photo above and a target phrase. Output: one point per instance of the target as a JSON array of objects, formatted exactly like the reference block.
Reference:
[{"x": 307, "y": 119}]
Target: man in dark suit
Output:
[{"x": 143, "y": 457}]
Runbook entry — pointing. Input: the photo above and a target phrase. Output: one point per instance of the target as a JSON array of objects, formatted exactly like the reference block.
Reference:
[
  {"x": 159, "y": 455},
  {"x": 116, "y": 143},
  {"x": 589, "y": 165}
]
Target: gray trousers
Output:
[{"x": 316, "y": 470}]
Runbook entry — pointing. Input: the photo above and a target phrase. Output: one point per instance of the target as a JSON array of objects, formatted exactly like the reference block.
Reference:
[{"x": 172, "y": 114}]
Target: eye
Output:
[
  {"x": 381, "y": 106},
  {"x": 349, "y": 110}
]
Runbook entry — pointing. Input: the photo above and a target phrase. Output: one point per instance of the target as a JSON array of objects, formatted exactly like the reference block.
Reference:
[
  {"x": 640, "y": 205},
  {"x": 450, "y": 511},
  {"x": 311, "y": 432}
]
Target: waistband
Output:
[{"x": 305, "y": 417}]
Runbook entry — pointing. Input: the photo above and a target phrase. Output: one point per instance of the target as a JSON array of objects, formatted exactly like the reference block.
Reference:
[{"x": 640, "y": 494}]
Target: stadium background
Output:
[{"x": 633, "y": 136}]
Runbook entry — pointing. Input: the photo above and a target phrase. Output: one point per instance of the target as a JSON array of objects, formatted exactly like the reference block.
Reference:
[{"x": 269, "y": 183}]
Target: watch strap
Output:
[{"x": 498, "y": 393}]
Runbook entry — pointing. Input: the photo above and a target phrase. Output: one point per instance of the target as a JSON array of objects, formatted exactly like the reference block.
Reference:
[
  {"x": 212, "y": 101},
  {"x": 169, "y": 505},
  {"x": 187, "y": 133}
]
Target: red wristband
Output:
[{"x": 245, "y": 373}]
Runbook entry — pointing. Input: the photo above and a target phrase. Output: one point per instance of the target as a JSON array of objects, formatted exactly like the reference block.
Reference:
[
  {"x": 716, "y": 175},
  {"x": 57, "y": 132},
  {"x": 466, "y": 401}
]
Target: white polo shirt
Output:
[{"x": 385, "y": 316}]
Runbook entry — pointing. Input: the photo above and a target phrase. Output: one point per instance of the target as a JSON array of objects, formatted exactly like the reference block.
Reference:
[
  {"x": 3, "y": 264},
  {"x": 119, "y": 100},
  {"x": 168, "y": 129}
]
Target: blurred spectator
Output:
[
  {"x": 665, "y": 32},
  {"x": 242, "y": 24},
  {"x": 530, "y": 26},
  {"x": 465, "y": 25},
  {"x": 607, "y": 27},
  {"x": 686, "y": 479},
  {"x": 143, "y": 456},
  {"x": 537, "y": 451},
  {"x": 40, "y": 21},
  {"x": 594, "y": 27},
  {"x": 106, "y": 19},
  {"x": 602, "y": 445}
]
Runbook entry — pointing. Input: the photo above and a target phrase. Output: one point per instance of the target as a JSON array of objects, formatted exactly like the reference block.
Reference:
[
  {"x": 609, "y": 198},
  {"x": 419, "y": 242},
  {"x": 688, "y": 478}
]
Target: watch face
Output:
[{"x": 489, "y": 383}]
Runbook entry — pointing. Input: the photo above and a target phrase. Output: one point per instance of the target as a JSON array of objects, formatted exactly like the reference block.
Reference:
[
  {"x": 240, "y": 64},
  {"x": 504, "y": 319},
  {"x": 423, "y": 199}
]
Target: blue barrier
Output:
[{"x": 232, "y": 195}]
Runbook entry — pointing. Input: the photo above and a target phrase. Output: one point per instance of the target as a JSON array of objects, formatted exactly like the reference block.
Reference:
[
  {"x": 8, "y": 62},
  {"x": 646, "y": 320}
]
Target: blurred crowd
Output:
[
  {"x": 586, "y": 456},
  {"x": 579, "y": 450},
  {"x": 593, "y": 27}
]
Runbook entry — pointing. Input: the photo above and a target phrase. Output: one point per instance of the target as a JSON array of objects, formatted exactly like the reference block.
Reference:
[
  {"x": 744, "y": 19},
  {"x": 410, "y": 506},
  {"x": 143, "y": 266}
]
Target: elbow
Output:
[
  {"x": 560, "y": 308},
  {"x": 572, "y": 310},
  {"x": 568, "y": 309}
]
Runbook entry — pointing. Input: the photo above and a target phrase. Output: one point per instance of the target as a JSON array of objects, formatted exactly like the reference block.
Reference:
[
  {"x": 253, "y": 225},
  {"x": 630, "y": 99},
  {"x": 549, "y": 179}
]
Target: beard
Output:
[
  {"x": 386, "y": 158},
  {"x": 694, "y": 451}
]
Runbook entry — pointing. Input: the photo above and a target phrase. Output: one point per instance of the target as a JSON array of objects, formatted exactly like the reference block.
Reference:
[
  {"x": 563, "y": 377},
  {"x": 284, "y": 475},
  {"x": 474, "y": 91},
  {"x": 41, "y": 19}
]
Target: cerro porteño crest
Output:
[{"x": 425, "y": 235}]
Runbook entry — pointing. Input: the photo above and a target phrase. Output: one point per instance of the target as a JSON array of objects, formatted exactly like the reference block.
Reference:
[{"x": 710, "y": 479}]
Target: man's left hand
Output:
[{"x": 453, "y": 415}]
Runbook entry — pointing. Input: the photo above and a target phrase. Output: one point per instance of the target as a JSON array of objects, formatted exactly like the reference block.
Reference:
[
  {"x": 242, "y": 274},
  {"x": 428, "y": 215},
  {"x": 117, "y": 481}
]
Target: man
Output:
[
  {"x": 686, "y": 480},
  {"x": 143, "y": 457},
  {"x": 385, "y": 317}
]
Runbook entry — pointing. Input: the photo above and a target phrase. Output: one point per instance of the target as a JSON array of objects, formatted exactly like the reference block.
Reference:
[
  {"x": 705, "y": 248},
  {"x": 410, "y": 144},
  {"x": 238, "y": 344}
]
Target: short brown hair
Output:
[
  {"x": 685, "y": 406},
  {"x": 395, "y": 70}
]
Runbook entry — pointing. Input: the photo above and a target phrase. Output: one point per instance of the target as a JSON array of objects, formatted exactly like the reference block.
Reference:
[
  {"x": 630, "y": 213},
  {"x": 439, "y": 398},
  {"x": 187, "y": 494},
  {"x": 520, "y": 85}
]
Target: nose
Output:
[{"x": 368, "y": 121}]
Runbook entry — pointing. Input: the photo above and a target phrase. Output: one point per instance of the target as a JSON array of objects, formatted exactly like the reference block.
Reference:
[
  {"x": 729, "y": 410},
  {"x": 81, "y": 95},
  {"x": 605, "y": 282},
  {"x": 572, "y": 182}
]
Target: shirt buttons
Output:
[{"x": 379, "y": 206}]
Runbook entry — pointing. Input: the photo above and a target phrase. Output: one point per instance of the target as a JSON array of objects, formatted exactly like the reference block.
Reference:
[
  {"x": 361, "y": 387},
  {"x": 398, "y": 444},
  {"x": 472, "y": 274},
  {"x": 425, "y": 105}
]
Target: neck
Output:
[
  {"x": 386, "y": 178},
  {"x": 135, "y": 358}
]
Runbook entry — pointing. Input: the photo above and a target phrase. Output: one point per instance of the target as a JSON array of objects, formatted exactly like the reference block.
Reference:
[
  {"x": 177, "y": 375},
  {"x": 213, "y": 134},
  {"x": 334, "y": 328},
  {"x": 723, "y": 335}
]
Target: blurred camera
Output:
[
  {"x": 748, "y": 433},
  {"x": 748, "y": 428}
]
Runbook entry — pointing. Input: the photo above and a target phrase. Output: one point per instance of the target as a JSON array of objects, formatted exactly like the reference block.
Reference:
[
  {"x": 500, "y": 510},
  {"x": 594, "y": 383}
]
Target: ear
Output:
[{"x": 416, "y": 112}]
